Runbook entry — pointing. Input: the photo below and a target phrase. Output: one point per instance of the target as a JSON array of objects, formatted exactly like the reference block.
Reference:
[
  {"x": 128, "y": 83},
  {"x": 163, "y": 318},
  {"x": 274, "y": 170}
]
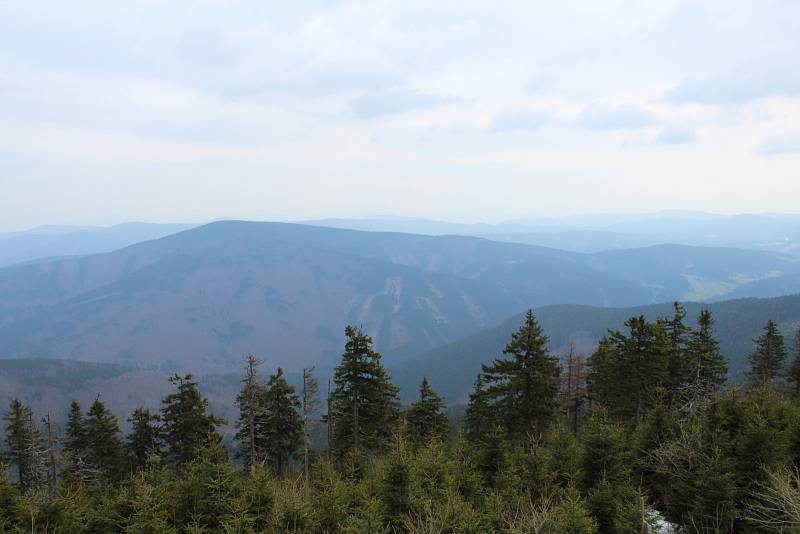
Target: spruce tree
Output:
[
  {"x": 106, "y": 451},
  {"x": 282, "y": 428},
  {"x": 76, "y": 468},
  {"x": 186, "y": 424},
  {"x": 794, "y": 370},
  {"x": 252, "y": 413},
  {"x": 707, "y": 365},
  {"x": 364, "y": 404},
  {"x": 143, "y": 440},
  {"x": 768, "y": 358},
  {"x": 628, "y": 371},
  {"x": 425, "y": 417},
  {"x": 679, "y": 368},
  {"x": 478, "y": 418},
  {"x": 523, "y": 389},
  {"x": 25, "y": 447}
]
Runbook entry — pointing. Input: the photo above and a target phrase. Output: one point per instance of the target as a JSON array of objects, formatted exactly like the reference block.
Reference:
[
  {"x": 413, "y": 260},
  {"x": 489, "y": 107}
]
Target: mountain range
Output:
[{"x": 202, "y": 298}]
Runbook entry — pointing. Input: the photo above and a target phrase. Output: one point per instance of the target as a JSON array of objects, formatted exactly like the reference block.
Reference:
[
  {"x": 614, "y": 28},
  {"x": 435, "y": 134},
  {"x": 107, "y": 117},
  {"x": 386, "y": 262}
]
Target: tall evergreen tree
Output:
[
  {"x": 186, "y": 423},
  {"x": 106, "y": 451},
  {"x": 252, "y": 413},
  {"x": 679, "y": 367},
  {"x": 794, "y": 370},
  {"x": 478, "y": 415},
  {"x": 522, "y": 390},
  {"x": 76, "y": 468},
  {"x": 628, "y": 371},
  {"x": 25, "y": 447},
  {"x": 282, "y": 428},
  {"x": 143, "y": 440},
  {"x": 707, "y": 365},
  {"x": 768, "y": 358},
  {"x": 364, "y": 404},
  {"x": 425, "y": 418}
]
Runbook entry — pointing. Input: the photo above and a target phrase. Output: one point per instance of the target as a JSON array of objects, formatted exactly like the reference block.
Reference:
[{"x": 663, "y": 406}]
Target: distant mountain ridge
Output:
[
  {"x": 201, "y": 298},
  {"x": 58, "y": 241},
  {"x": 773, "y": 232}
]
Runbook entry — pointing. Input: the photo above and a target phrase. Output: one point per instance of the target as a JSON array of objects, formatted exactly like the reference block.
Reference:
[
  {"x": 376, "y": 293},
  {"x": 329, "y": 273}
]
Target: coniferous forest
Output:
[{"x": 647, "y": 434}]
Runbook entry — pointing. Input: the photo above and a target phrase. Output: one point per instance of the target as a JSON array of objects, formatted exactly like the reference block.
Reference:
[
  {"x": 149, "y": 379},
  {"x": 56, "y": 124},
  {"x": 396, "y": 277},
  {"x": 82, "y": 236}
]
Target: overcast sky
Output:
[{"x": 189, "y": 111}]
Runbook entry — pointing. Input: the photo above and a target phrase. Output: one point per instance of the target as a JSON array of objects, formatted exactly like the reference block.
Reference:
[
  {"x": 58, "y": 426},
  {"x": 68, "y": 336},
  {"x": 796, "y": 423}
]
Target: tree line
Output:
[{"x": 646, "y": 427}]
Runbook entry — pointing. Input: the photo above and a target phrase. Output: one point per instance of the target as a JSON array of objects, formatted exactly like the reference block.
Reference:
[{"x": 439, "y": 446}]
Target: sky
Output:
[{"x": 456, "y": 110}]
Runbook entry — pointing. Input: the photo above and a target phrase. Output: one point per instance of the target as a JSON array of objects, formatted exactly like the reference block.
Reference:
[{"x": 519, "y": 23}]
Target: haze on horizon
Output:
[{"x": 455, "y": 111}]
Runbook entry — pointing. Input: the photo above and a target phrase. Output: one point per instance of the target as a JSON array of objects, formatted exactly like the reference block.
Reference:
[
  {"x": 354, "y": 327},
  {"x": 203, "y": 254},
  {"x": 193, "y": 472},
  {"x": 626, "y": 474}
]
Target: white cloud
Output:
[
  {"x": 240, "y": 108},
  {"x": 674, "y": 136},
  {"x": 785, "y": 144},
  {"x": 627, "y": 116},
  {"x": 520, "y": 120}
]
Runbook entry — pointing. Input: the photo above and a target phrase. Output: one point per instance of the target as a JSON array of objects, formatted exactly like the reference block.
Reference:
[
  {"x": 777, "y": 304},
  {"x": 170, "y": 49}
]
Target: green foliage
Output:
[
  {"x": 425, "y": 418},
  {"x": 187, "y": 425},
  {"x": 629, "y": 372},
  {"x": 143, "y": 442},
  {"x": 25, "y": 447},
  {"x": 723, "y": 462},
  {"x": 364, "y": 407},
  {"x": 521, "y": 390},
  {"x": 104, "y": 447},
  {"x": 282, "y": 428},
  {"x": 769, "y": 357}
]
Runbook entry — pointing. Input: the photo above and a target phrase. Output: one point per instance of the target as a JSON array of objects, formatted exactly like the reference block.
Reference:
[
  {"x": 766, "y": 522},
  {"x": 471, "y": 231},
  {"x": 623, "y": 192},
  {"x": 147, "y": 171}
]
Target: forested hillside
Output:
[
  {"x": 452, "y": 367},
  {"x": 200, "y": 298},
  {"x": 645, "y": 433}
]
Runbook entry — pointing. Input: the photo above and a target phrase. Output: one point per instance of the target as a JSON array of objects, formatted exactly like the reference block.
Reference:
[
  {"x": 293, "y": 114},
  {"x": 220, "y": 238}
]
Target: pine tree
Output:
[
  {"x": 76, "y": 468},
  {"x": 282, "y": 428},
  {"x": 105, "y": 448},
  {"x": 364, "y": 405},
  {"x": 628, "y": 371},
  {"x": 478, "y": 416},
  {"x": 679, "y": 368},
  {"x": 707, "y": 366},
  {"x": 252, "y": 413},
  {"x": 522, "y": 390},
  {"x": 186, "y": 424},
  {"x": 767, "y": 360},
  {"x": 25, "y": 447},
  {"x": 425, "y": 417},
  {"x": 311, "y": 404},
  {"x": 794, "y": 370},
  {"x": 143, "y": 440}
]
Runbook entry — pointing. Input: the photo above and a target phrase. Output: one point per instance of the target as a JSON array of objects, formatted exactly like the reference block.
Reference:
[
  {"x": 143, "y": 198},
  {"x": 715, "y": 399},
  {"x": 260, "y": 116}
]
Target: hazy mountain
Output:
[
  {"x": 595, "y": 233},
  {"x": 202, "y": 298},
  {"x": 55, "y": 241},
  {"x": 452, "y": 368}
]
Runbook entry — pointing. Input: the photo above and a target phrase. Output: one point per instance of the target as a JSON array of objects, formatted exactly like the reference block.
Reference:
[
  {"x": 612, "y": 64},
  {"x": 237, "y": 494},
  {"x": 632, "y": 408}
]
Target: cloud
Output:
[
  {"x": 735, "y": 87},
  {"x": 386, "y": 102},
  {"x": 601, "y": 117},
  {"x": 775, "y": 146},
  {"x": 674, "y": 136},
  {"x": 519, "y": 120}
]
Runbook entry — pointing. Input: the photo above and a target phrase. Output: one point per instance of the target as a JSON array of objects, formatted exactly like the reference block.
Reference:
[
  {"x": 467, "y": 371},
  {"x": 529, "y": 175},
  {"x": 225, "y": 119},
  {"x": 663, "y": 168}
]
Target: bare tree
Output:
[
  {"x": 573, "y": 388},
  {"x": 52, "y": 481},
  {"x": 776, "y": 506}
]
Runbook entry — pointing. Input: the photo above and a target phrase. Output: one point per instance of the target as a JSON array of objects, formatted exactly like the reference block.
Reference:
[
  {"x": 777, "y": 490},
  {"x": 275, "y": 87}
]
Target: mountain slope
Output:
[
  {"x": 452, "y": 368},
  {"x": 202, "y": 298}
]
